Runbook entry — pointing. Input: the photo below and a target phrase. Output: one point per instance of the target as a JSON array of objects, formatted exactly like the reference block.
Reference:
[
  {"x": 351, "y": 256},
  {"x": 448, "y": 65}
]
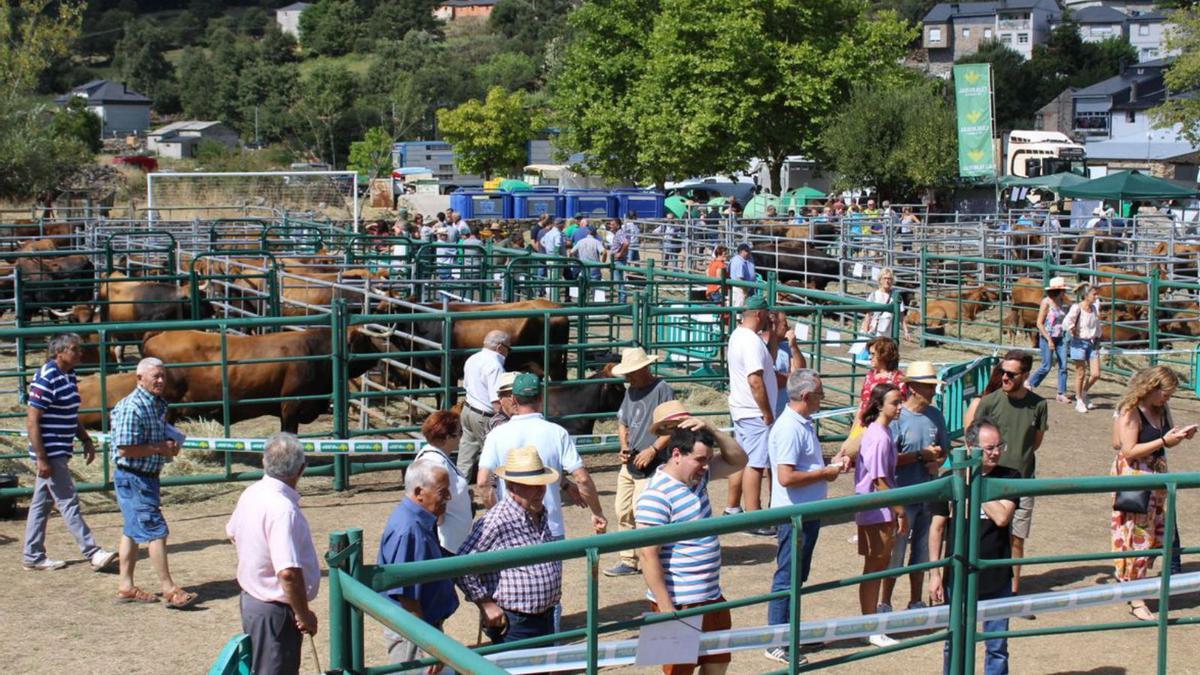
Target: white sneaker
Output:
[
  {"x": 45, "y": 565},
  {"x": 1087, "y": 400},
  {"x": 881, "y": 640},
  {"x": 1080, "y": 406},
  {"x": 883, "y": 608},
  {"x": 102, "y": 559}
]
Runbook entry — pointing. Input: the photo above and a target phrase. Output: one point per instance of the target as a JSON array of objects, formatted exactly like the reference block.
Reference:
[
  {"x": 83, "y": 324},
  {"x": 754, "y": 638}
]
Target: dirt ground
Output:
[{"x": 66, "y": 621}]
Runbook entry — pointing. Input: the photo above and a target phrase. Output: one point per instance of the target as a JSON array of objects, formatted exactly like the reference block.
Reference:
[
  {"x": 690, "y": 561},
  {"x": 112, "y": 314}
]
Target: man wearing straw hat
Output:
[
  {"x": 553, "y": 443},
  {"x": 753, "y": 388},
  {"x": 481, "y": 375},
  {"x": 640, "y": 448},
  {"x": 686, "y": 574},
  {"x": 922, "y": 439},
  {"x": 516, "y": 603},
  {"x": 277, "y": 566}
]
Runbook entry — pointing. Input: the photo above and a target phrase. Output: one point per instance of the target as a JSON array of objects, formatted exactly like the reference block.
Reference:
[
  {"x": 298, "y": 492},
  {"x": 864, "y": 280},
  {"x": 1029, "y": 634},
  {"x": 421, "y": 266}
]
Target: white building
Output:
[
  {"x": 288, "y": 17},
  {"x": 180, "y": 139},
  {"x": 120, "y": 109}
]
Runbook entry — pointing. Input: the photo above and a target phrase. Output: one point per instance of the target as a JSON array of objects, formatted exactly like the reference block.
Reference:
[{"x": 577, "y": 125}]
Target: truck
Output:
[{"x": 1041, "y": 153}]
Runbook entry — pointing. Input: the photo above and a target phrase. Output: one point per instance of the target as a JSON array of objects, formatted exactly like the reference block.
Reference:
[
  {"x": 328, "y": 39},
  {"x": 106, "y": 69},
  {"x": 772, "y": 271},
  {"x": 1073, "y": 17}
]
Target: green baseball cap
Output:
[
  {"x": 756, "y": 301},
  {"x": 527, "y": 385}
]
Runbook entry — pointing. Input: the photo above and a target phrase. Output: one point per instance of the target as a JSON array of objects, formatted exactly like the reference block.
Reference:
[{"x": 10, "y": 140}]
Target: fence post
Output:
[
  {"x": 19, "y": 321},
  {"x": 355, "y": 563},
  {"x": 593, "y": 610},
  {"x": 1155, "y": 283},
  {"x": 339, "y": 389},
  {"x": 797, "y": 582},
  {"x": 1164, "y": 587},
  {"x": 971, "y": 570},
  {"x": 339, "y": 636},
  {"x": 923, "y": 276},
  {"x": 958, "y": 645}
]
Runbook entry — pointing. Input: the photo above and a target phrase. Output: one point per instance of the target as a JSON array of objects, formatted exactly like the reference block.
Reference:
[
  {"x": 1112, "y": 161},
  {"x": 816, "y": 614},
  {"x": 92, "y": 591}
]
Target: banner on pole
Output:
[{"x": 973, "y": 101}]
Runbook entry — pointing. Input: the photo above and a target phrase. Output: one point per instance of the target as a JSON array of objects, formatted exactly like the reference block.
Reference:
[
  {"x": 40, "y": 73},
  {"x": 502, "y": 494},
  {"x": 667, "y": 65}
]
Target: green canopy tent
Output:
[
  {"x": 514, "y": 185},
  {"x": 757, "y": 207},
  {"x": 1054, "y": 182},
  {"x": 794, "y": 200},
  {"x": 1129, "y": 186},
  {"x": 676, "y": 205}
]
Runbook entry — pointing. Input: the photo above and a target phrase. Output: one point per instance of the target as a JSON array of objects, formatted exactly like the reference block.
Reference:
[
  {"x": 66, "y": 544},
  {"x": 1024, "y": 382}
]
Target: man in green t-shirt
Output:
[{"x": 1022, "y": 417}]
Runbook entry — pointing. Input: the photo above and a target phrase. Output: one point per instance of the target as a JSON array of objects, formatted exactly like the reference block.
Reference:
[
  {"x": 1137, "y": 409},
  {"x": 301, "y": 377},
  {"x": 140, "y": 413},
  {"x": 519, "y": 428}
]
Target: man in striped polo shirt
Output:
[
  {"x": 687, "y": 573},
  {"x": 53, "y": 426}
]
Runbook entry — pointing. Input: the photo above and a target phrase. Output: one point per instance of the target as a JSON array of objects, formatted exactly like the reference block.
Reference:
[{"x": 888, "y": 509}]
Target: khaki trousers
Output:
[{"x": 628, "y": 491}]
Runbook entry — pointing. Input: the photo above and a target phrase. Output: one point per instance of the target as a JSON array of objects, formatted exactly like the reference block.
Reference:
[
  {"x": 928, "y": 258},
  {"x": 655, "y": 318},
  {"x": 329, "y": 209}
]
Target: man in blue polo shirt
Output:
[
  {"x": 53, "y": 424},
  {"x": 798, "y": 476},
  {"x": 410, "y": 536}
]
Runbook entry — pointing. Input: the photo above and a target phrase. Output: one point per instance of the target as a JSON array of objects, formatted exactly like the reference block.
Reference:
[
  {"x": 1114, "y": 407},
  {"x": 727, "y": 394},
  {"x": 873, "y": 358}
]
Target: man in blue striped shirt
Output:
[
  {"x": 687, "y": 573},
  {"x": 53, "y": 426},
  {"x": 142, "y": 443}
]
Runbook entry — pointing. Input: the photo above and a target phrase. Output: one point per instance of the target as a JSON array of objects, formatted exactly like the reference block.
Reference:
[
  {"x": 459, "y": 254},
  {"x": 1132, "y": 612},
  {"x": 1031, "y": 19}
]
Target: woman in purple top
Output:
[{"x": 875, "y": 471}]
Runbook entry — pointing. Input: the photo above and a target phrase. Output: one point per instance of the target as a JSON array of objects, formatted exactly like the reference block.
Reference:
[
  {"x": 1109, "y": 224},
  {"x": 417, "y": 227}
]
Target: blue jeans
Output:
[
  {"x": 522, "y": 626},
  {"x": 618, "y": 276},
  {"x": 779, "y": 610},
  {"x": 995, "y": 660},
  {"x": 1060, "y": 355}
]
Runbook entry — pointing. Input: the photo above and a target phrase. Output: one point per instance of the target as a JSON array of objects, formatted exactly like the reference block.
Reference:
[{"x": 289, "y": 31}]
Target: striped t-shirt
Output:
[
  {"x": 693, "y": 566},
  {"x": 56, "y": 394}
]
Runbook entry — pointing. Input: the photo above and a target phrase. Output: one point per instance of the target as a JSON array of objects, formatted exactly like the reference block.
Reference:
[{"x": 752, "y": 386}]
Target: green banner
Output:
[{"x": 973, "y": 100}]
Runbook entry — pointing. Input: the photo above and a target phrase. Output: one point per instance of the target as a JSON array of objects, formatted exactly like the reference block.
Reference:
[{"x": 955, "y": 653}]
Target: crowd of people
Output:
[{"x": 502, "y": 455}]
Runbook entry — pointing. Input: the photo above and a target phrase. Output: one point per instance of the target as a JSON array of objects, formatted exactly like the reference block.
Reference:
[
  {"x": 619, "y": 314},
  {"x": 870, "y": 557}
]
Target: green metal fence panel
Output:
[{"x": 235, "y": 658}]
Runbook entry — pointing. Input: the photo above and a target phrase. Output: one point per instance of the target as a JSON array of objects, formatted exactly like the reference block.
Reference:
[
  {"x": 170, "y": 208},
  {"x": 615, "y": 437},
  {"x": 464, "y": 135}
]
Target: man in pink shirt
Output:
[{"x": 277, "y": 562}]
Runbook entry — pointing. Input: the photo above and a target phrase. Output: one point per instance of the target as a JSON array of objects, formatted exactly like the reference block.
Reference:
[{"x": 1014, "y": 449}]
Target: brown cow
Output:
[
  {"x": 202, "y": 384},
  {"x": 1106, "y": 250},
  {"x": 939, "y": 313},
  {"x": 1027, "y": 294},
  {"x": 1183, "y": 259},
  {"x": 117, "y": 387},
  {"x": 50, "y": 277},
  {"x": 1130, "y": 296}
]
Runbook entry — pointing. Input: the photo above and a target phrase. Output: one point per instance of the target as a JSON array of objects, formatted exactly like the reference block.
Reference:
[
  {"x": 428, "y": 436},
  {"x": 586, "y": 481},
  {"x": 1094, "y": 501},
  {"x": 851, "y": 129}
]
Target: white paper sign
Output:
[
  {"x": 803, "y": 330},
  {"x": 833, "y": 336},
  {"x": 498, "y": 276},
  {"x": 669, "y": 642},
  {"x": 573, "y": 291},
  {"x": 875, "y": 272},
  {"x": 858, "y": 270},
  {"x": 858, "y": 348},
  {"x": 601, "y": 296}
]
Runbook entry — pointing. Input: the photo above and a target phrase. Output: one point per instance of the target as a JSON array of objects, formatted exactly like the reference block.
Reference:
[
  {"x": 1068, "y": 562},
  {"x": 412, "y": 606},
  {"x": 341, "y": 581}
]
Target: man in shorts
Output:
[
  {"x": 753, "y": 389},
  {"x": 1022, "y": 418}
]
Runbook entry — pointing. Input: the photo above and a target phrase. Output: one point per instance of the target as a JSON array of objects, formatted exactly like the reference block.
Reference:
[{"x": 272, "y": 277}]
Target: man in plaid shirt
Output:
[
  {"x": 518, "y": 602},
  {"x": 142, "y": 443}
]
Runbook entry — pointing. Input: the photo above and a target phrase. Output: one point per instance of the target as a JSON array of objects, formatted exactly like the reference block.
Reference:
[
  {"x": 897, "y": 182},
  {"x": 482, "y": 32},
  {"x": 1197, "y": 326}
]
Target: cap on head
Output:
[
  {"x": 506, "y": 381},
  {"x": 527, "y": 385}
]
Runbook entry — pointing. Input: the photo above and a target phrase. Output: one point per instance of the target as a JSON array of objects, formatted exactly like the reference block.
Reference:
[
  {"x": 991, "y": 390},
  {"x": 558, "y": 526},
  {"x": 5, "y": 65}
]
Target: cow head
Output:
[
  {"x": 78, "y": 314},
  {"x": 364, "y": 340}
]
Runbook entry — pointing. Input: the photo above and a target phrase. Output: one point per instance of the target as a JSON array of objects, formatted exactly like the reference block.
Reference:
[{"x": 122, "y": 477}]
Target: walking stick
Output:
[{"x": 316, "y": 657}]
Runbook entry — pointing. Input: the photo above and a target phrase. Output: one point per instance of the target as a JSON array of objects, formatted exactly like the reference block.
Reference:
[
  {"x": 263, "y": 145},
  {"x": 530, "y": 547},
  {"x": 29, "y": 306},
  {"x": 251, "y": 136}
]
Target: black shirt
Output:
[{"x": 994, "y": 542}]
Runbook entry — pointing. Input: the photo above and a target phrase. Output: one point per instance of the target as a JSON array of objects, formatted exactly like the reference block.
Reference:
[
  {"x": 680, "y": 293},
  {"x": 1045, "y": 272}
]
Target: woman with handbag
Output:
[
  {"x": 1082, "y": 327},
  {"x": 885, "y": 369},
  {"x": 1142, "y": 432},
  {"x": 879, "y": 324}
]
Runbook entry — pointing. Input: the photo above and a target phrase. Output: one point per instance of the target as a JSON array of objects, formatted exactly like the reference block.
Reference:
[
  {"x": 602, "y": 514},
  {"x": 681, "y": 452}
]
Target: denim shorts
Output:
[
  {"x": 1084, "y": 350},
  {"x": 141, "y": 508}
]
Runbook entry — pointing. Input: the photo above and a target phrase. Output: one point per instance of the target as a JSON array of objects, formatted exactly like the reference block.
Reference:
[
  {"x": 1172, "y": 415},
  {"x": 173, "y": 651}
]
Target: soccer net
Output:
[{"x": 316, "y": 194}]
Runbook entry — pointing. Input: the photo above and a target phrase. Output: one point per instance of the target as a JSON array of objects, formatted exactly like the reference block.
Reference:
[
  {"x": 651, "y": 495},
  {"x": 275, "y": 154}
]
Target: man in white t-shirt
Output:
[
  {"x": 481, "y": 375},
  {"x": 753, "y": 389}
]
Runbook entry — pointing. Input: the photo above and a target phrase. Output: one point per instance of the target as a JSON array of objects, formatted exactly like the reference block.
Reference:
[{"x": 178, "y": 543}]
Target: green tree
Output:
[
  {"x": 489, "y": 137},
  {"x": 265, "y": 99},
  {"x": 33, "y": 34},
  {"x": 139, "y": 61},
  {"x": 593, "y": 93},
  {"x": 395, "y": 18},
  {"x": 76, "y": 121},
  {"x": 330, "y": 27},
  {"x": 1183, "y": 76},
  {"x": 372, "y": 156},
  {"x": 530, "y": 24},
  {"x": 325, "y": 101},
  {"x": 899, "y": 139},
  {"x": 508, "y": 70}
]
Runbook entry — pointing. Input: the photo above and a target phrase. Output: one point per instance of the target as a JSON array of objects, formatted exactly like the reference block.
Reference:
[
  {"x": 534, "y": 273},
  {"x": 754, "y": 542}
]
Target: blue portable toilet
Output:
[
  {"x": 591, "y": 203},
  {"x": 473, "y": 203},
  {"x": 645, "y": 203},
  {"x": 535, "y": 203}
]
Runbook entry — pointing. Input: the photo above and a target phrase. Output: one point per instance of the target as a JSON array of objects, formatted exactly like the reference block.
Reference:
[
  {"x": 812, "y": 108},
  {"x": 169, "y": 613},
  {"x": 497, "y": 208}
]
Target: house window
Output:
[
  {"x": 1006, "y": 38},
  {"x": 987, "y": 33},
  {"x": 1023, "y": 38},
  {"x": 1130, "y": 116},
  {"x": 966, "y": 32},
  {"x": 935, "y": 34},
  {"x": 1091, "y": 122},
  {"x": 1143, "y": 29},
  {"x": 1149, "y": 53}
]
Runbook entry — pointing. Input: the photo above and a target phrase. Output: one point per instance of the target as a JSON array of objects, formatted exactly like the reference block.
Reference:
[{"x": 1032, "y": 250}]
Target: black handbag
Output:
[{"x": 1132, "y": 501}]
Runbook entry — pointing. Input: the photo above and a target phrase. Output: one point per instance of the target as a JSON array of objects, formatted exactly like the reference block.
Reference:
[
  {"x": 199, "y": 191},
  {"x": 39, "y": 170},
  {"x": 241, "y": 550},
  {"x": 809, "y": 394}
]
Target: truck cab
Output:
[{"x": 1041, "y": 153}]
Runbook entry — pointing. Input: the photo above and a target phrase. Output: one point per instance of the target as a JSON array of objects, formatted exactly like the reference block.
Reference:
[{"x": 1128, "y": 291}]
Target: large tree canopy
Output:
[
  {"x": 1184, "y": 75},
  {"x": 489, "y": 137}
]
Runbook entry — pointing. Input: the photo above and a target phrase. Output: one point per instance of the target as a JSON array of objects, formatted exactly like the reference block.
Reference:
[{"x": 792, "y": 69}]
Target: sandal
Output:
[
  {"x": 1141, "y": 612},
  {"x": 135, "y": 594},
  {"x": 178, "y": 598}
]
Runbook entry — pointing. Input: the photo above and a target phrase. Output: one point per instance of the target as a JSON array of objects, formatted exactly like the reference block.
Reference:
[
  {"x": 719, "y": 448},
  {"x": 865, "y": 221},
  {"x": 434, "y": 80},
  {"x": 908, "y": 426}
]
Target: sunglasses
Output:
[{"x": 1010, "y": 374}]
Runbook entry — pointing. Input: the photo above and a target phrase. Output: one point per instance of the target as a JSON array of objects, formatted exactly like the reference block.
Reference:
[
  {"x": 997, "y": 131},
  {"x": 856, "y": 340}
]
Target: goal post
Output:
[{"x": 197, "y": 194}]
